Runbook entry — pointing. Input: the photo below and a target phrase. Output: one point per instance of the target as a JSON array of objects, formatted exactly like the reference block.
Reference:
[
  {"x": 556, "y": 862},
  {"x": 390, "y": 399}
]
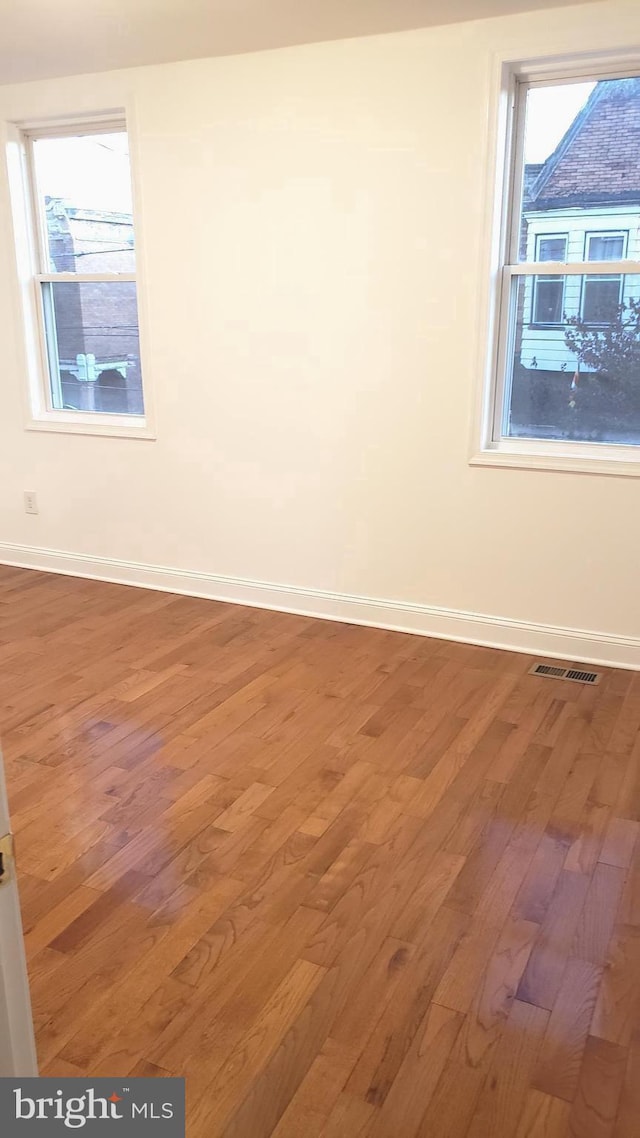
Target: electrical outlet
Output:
[{"x": 30, "y": 502}]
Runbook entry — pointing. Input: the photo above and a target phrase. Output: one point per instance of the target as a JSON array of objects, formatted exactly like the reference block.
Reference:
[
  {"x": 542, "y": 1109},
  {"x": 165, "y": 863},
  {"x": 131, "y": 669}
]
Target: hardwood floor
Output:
[{"x": 351, "y": 883}]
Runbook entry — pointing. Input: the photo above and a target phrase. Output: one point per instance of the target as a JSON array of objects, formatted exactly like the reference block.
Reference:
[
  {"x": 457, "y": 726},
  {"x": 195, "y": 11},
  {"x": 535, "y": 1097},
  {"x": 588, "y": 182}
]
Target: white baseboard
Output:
[{"x": 573, "y": 644}]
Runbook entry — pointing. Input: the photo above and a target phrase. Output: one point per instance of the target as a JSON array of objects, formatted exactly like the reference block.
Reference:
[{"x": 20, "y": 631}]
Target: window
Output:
[
  {"x": 600, "y": 300},
  {"x": 548, "y": 303},
  {"x": 565, "y": 389},
  {"x": 552, "y": 248},
  {"x": 605, "y": 246},
  {"x": 85, "y": 310},
  {"x": 601, "y": 295}
]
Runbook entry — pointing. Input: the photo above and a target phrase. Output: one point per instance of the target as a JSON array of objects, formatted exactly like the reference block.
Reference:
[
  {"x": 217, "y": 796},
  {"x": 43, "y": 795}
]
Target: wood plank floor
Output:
[{"x": 348, "y": 882}]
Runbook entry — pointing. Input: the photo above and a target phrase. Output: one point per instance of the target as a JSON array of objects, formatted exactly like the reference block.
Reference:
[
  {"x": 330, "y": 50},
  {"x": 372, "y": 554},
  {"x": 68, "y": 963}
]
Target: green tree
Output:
[{"x": 611, "y": 353}]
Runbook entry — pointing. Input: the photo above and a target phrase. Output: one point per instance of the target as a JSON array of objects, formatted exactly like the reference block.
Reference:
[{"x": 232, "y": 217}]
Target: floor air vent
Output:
[{"x": 578, "y": 675}]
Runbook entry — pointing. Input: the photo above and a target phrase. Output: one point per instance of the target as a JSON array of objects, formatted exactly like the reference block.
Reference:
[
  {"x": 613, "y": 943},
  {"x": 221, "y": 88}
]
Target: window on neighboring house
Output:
[
  {"x": 551, "y": 248},
  {"x": 548, "y": 292},
  {"x": 606, "y": 246},
  {"x": 78, "y": 181},
  {"x": 601, "y": 295},
  {"x": 565, "y": 388}
]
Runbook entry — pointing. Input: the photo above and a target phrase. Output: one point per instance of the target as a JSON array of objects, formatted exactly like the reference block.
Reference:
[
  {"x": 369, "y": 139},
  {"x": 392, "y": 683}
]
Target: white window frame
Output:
[
  {"x": 613, "y": 277},
  {"x": 550, "y": 237},
  {"x": 543, "y": 279},
  {"x": 591, "y": 233},
  {"x": 588, "y": 238},
  {"x": 32, "y": 255},
  {"x": 498, "y": 313}
]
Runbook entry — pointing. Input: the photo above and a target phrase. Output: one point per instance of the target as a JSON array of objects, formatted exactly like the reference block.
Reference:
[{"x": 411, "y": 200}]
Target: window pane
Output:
[
  {"x": 600, "y": 299},
  {"x": 548, "y": 300},
  {"x": 575, "y": 381},
  {"x": 581, "y": 169},
  {"x": 92, "y": 345},
  {"x": 84, "y": 187},
  {"x": 552, "y": 249},
  {"x": 604, "y": 247}
]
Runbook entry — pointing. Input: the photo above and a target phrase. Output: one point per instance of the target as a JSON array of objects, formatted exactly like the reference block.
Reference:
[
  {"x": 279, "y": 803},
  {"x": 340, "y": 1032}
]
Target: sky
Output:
[
  {"x": 550, "y": 112},
  {"x": 91, "y": 171}
]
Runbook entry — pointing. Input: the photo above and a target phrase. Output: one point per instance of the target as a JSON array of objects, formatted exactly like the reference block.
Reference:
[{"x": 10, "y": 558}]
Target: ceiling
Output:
[{"x": 45, "y": 38}]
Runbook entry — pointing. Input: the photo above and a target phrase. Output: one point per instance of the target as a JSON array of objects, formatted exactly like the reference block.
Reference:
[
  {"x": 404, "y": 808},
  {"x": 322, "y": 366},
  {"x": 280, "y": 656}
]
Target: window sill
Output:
[
  {"x": 586, "y": 459},
  {"x": 111, "y": 426}
]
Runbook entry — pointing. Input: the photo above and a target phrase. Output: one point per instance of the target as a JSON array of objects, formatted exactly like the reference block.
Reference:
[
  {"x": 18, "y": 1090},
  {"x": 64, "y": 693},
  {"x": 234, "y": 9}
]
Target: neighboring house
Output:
[
  {"x": 96, "y": 321},
  {"x": 582, "y": 204}
]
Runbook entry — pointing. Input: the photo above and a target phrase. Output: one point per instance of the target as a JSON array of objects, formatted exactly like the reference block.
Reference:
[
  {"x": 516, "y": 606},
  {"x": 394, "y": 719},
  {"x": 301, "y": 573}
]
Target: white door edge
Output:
[{"x": 17, "y": 1043}]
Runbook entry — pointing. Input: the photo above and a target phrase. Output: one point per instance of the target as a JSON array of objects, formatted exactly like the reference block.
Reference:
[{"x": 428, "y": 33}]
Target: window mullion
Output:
[
  {"x": 74, "y": 127},
  {"x": 517, "y": 164},
  {"x": 41, "y": 245},
  {"x": 573, "y": 268},
  {"x": 505, "y": 321},
  {"x": 79, "y": 278}
]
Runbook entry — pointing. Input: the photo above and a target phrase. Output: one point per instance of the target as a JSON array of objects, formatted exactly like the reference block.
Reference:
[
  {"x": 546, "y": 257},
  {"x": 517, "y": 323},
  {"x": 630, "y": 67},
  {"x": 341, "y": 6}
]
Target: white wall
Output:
[{"x": 314, "y": 250}]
